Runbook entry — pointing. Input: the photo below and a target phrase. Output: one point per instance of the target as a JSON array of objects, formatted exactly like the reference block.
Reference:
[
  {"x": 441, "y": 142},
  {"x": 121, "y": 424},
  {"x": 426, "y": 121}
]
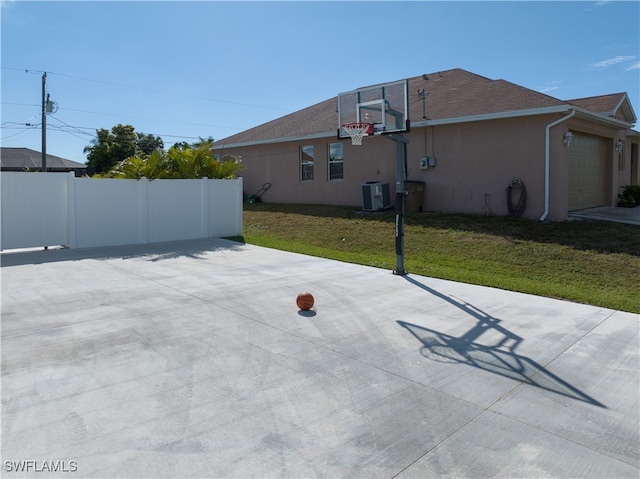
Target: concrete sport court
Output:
[{"x": 191, "y": 359}]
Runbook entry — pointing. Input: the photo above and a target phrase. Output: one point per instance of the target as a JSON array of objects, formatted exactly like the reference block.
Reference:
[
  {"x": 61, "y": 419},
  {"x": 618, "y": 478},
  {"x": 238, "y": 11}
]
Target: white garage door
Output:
[{"x": 587, "y": 173}]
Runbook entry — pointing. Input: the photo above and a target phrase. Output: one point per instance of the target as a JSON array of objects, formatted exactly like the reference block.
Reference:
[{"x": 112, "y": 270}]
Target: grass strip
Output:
[{"x": 590, "y": 262}]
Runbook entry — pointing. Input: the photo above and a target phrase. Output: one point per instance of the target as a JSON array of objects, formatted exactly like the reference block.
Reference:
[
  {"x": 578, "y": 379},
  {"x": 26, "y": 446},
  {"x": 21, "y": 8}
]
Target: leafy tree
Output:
[
  {"x": 147, "y": 144},
  {"x": 183, "y": 145},
  {"x": 111, "y": 147},
  {"x": 203, "y": 142}
]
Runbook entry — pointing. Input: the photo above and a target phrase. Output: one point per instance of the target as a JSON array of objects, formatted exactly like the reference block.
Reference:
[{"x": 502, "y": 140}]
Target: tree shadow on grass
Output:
[
  {"x": 599, "y": 236},
  {"x": 588, "y": 235},
  {"x": 499, "y": 358}
]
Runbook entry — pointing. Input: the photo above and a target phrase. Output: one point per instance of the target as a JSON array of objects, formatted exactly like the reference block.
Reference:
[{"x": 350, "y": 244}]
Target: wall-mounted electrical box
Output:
[{"x": 427, "y": 162}]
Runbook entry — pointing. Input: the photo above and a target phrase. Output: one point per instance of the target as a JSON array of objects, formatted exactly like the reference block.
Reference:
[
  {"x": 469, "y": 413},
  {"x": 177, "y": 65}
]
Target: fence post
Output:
[
  {"x": 72, "y": 232},
  {"x": 204, "y": 198},
  {"x": 239, "y": 204},
  {"x": 144, "y": 210}
]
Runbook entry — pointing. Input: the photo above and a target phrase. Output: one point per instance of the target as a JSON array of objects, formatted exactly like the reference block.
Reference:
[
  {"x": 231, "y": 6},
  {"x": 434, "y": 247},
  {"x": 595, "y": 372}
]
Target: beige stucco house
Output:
[{"x": 469, "y": 138}]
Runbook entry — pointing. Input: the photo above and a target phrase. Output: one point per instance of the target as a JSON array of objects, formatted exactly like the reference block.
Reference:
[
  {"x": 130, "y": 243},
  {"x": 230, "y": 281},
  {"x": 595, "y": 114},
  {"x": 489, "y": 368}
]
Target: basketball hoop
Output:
[{"x": 357, "y": 131}]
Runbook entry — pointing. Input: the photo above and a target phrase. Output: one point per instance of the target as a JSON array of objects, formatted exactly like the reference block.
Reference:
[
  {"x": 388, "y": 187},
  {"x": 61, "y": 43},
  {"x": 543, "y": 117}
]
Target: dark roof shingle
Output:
[
  {"x": 26, "y": 158},
  {"x": 452, "y": 94}
]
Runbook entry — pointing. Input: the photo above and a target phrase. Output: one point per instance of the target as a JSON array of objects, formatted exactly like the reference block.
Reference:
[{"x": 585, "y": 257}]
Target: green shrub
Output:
[
  {"x": 630, "y": 196},
  {"x": 184, "y": 163}
]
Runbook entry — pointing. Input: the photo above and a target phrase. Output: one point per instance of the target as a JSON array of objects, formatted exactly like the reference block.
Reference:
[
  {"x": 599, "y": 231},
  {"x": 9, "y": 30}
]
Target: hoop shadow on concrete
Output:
[{"x": 500, "y": 357}]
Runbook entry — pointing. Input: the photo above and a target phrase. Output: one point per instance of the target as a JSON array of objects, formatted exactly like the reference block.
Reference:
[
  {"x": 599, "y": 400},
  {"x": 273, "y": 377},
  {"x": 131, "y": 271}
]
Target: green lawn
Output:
[{"x": 588, "y": 262}]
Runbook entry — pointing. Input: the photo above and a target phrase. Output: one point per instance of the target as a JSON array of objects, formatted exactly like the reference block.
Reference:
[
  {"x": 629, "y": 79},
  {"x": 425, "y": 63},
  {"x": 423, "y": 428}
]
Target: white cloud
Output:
[
  {"x": 612, "y": 61},
  {"x": 635, "y": 66},
  {"x": 601, "y": 3},
  {"x": 549, "y": 86}
]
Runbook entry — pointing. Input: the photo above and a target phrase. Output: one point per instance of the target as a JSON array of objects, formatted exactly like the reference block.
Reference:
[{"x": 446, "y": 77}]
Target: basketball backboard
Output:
[{"x": 386, "y": 106}]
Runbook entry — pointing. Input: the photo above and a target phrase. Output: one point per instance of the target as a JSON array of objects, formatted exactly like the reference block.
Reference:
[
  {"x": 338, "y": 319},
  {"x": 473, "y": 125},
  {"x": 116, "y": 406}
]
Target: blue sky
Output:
[{"x": 183, "y": 70}]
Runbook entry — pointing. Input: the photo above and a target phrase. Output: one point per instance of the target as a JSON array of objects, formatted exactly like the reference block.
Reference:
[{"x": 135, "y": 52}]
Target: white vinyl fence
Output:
[{"x": 45, "y": 209}]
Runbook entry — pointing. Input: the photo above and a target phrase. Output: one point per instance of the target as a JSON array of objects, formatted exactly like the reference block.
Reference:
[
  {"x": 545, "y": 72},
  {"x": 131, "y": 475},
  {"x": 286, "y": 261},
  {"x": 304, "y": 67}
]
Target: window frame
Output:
[
  {"x": 331, "y": 161},
  {"x": 305, "y": 164}
]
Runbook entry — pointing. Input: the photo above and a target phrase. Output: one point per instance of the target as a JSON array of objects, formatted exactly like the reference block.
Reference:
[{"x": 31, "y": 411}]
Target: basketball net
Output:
[{"x": 357, "y": 131}]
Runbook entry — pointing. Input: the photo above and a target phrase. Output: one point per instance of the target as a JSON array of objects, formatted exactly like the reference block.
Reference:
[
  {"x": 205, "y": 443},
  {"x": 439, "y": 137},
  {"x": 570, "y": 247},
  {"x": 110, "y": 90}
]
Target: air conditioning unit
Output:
[{"x": 375, "y": 196}]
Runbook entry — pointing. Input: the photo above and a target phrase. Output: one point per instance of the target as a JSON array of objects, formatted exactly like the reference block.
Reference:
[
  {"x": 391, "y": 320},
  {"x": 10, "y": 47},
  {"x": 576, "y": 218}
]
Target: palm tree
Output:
[{"x": 189, "y": 163}]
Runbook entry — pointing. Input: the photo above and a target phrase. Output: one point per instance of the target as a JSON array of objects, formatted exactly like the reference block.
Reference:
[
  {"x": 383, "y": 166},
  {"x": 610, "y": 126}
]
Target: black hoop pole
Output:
[{"x": 400, "y": 199}]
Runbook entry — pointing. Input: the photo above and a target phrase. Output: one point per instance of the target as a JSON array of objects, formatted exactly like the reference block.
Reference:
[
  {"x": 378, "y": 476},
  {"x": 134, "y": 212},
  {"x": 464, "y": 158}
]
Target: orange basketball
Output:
[{"x": 305, "y": 301}]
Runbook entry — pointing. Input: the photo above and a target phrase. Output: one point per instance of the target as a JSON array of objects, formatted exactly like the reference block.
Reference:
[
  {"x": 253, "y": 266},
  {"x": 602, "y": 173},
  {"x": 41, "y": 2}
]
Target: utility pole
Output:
[{"x": 44, "y": 124}]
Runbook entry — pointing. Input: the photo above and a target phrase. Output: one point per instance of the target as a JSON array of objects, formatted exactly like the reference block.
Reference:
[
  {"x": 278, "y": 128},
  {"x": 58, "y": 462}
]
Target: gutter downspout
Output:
[{"x": 546, "y": 161}]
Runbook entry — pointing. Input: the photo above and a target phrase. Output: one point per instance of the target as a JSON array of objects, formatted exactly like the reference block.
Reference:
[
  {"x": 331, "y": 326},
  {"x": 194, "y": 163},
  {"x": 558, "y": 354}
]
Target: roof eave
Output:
[
  {"x": 222, "y": 146},
  {"x": 580, "y": 113},
  {"x": 633, "y": 134},
  {"x": 494, "y": 116},
  {"x": 602, "y": 119},
  {"x": 624, "y": 101}
]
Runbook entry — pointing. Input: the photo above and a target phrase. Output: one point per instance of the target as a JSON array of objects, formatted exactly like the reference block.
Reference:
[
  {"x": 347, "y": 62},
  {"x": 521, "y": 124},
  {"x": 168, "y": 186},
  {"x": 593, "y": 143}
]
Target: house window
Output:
[
  {"x": 336, "y": 161},
  {"x": 306, "y": 163}
]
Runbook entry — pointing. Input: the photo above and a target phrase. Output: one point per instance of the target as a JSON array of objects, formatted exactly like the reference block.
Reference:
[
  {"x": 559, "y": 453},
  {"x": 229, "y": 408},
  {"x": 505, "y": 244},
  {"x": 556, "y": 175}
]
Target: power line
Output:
[
  {"x": 19, "y": 104},
  {"x": 65, "y": 128},
  {"x": 153, "y": 119},
  {"x": 78, "y": 129},
  {"x": 27, "y": 130},
  {"x": 20, "y": 123},
  {"x": 152, "y": 90},
  {"x": 129, "y": 116}
]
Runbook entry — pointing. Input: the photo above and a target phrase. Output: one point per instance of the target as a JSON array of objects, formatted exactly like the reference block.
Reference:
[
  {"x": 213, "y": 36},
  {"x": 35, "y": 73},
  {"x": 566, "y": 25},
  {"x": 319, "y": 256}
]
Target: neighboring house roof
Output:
[
  {"x": 451, "y": 96},
  {"x": 25, "y": 158}
]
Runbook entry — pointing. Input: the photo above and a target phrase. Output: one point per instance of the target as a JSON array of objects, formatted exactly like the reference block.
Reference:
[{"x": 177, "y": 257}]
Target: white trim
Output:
[
  {"x": 623, "y": 100},
  {"x": 277, "y": 140},
  {"x": 582, "y": 112},
  {"x": 603, "y": 119},
  {"x": 494, "y": 116}
]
